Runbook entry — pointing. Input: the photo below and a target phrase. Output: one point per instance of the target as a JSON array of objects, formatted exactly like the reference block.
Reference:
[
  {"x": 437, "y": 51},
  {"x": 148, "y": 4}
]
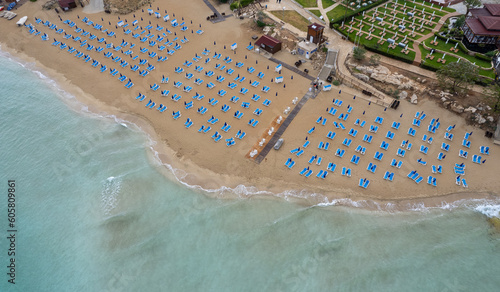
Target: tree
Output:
[
  {"x": 471, "y": 4},
  {"x": 492, "y": 96},
  {"x": 458, "y": 77},
  {"x": 459, "y": 22},
  {"x": 358, "y": 53},
  {"x": 374, "y": 60}
]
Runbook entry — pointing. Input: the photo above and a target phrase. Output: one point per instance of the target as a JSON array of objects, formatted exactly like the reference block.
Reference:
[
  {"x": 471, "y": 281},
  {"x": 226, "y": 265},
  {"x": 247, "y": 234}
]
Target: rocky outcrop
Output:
[
  {"x": 124, "y": 6},
  {"x": 414, "y": 99},
  {"x": 361, "y": 77}
]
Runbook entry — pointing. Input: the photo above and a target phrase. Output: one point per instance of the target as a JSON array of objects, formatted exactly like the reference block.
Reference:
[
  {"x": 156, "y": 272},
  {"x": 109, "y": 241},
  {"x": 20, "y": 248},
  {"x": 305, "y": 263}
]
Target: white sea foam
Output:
[{"x": 109, "y": 195}]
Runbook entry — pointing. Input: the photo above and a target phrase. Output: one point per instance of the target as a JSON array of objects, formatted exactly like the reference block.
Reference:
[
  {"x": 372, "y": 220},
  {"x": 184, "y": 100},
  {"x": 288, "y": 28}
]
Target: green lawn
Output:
[
  {"x": 445, "y": 47},
  {"x": 437, "y": 7},
  {"x": 385, "y": 47},
  {"x": 315, "y": 12},
  {"x": 336, "y": 12},
  {"x": 433, "y": 63},
  {"x": 327, "y": 3},
  {"x": 308, "y": 3},
  {"x": 292, "y": 17}
]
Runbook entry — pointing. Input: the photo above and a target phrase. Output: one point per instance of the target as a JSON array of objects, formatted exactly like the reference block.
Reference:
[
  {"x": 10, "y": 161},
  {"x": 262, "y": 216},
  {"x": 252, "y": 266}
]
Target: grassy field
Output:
[
  {"x": 308, "y": 3},
  {"x": 292, "y": 17},
  {"x": 433, "y": 63},
  {"x": 445, "y": 47},
  {"x": 327, "y": 3},
  {"x": 337, "y": 12},
  {"x": 315, "y": 12}
]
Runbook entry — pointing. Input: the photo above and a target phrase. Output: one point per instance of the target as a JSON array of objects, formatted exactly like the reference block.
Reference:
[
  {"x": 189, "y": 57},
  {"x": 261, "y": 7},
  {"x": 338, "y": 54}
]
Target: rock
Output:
[
  {"x": 490, "y": 118},
  {"x": 480, "y": 119},
  {"x": 457, "y": 108},
  {"x": 488, "y": 108},
  {"x": 443, "y": 99},
  {"x": 418, "y": 79},
  {"x": 470, "y": 109},
  {"x": 423, "y": 81},
  {"x": 414, "y": 99},
  {"x": 383, "y": 70},
  {"x": 361, "y": 77},
  {"x": 403, "y": 94}
]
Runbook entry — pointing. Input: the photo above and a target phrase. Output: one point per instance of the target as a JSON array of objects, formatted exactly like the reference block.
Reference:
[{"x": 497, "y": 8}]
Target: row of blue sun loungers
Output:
[{"x": 413, "y": 175}]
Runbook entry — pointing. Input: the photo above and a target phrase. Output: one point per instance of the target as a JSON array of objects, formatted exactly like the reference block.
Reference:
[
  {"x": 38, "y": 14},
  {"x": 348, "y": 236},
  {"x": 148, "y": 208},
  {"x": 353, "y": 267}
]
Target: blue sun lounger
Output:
[
  {"x": 401, "y": 152},
  {"x": 389, "y": 135},
  {"x": 373, "y": 129},
  {"x": 355, "y": 159},
  {"x": 416, "y": 122},
  {"x": 448, "y": 136},
  {"x": 363, "y": 182},
  {"x": 412, "y": 132},
  {"x": 340, "y": 152},
  {"x": 384, "y": 145},
  {"x": 352, "y": 132},
  {"x": 331, "y": 135},
  {"x": 347, "y": 142},
  {"x": 378, "y": 156},
  {"x": 484, "y": 150},
  {"x": 423, "y": 149},
  {"x": 395, "y": 125},
  {"x": 367, "y": 138}
]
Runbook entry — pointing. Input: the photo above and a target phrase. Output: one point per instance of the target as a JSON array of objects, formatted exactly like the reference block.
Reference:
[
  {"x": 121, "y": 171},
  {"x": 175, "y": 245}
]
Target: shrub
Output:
[
  {"x": 491, "y": 54},
  {"x": 260, "y": 23},
  {"x": 358, "y": 53},
  {"x": 336, "y": 82}
]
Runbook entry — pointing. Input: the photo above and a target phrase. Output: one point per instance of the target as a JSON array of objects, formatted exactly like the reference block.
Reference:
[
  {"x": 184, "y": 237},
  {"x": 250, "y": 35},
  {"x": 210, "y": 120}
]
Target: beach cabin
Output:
[
  {"x": 315, "y": 33},
  {"x": 268, "y": 44},
  {"x": 306, "y": 49},
  {"x": 67, "y": 4}
]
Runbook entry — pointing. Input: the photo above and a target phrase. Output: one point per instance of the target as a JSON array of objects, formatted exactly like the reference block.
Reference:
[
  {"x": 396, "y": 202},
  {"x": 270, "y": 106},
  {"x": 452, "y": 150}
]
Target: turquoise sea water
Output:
[{"x": 94, "y": 214}]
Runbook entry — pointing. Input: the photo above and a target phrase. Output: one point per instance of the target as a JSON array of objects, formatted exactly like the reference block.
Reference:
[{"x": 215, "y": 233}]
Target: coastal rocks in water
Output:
[
  {"x": 495, "y": 222},
  {"x": 414, "y": 99},
  {"x": 403, "y": 95},
  {"x": 361, "y": 77},
  {"x": 124, "y": 6}
]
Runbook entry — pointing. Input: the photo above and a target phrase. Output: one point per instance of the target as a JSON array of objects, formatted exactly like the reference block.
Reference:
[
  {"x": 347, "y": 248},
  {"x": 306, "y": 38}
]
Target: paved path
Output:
[
  {"x": 293, "y": 69},
  {"x": 215, "y": 11},
  {"x": 416, "y": 43},
  {"x": 284, "y": 126}
]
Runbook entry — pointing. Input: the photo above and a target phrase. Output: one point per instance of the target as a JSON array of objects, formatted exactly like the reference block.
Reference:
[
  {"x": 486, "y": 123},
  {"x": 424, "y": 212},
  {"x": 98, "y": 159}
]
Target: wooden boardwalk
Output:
[
  {"x": 284, "y": 126},
  {"x": 220, "y": 17},
  {"x": 293, "y": 68}
]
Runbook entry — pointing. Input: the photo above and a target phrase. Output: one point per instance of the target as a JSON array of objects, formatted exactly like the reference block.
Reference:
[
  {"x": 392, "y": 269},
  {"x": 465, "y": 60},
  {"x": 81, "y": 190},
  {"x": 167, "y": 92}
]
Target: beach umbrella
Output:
[
  {"x": 191, "y": 22},
  {"x": 385, "y": 109},
  {"x": 354, "y": 97},
  {"x": 401, "y": 116},
  {"x": 291, "y": 77},
  {"x": 340, "y": 91},
  {"x": 369, "y": 103},
  {"x": 284, "y": 85},
  {"x": 245, "y": 57},
  {"x": 276, "y": 93},
  {"x": 363, "y": 112}
]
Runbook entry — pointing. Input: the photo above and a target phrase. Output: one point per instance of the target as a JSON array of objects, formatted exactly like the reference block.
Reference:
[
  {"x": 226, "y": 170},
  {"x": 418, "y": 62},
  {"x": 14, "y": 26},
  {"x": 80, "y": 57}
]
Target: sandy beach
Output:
[{"x": 198, "y": 159}]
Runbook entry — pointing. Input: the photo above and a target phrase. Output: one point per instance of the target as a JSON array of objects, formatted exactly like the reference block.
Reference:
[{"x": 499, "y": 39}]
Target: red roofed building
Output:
[
  {"x": 483, "y": 26},
  {"x": 67, "y": 4},
  {"x": 268, "y": 44}
]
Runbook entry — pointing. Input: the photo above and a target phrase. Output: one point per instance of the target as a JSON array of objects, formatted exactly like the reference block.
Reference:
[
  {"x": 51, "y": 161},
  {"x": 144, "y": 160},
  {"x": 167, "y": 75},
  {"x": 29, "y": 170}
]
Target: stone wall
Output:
[{"x": 124, "y": 6}]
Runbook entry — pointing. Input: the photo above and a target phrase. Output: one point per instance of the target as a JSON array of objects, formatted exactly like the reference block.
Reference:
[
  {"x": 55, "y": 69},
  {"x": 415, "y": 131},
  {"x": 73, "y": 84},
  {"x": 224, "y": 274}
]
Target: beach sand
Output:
[{"x": 198, "y": 160}]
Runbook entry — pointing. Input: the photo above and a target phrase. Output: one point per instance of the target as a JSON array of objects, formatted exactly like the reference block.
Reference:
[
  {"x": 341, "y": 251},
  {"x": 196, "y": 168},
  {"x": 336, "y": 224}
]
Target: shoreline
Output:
[
  {"x": 219, "y": 184},
  {"x": 169, "y": 166}
]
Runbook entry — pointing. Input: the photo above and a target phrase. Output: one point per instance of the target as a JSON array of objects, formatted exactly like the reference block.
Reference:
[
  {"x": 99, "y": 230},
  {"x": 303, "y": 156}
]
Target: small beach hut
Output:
[
  {"x": 67, "y": 4},
  {"x": 268, "y": 44},
  {"x": 315, "y": 33}
]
